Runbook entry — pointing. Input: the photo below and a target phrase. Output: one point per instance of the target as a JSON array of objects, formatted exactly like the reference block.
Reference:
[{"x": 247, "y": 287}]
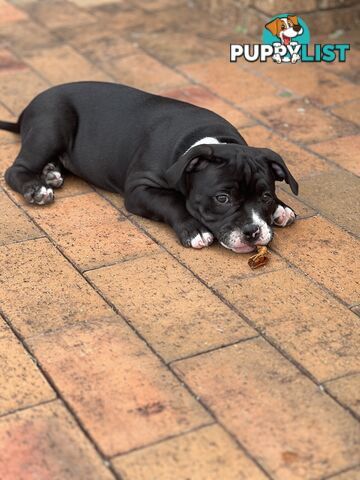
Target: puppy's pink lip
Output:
[
  {"x": 244, "y": 249},
  {"x": 286, "y": 40}
]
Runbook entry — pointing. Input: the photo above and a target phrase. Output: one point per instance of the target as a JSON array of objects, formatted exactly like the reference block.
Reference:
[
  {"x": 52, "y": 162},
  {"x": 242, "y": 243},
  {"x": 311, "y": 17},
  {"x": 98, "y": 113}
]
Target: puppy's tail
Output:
[{"x": 10, "y": 126}]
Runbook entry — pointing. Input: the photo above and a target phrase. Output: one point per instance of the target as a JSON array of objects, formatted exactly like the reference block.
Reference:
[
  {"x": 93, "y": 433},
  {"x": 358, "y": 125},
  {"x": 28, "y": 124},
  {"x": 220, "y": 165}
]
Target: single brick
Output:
[
  {"x": 104, "y": 237},
  {"x": 176, "y": 314},
  {"x": 15, "y": 226},
  {"x": 300, "y": 162},
  {"x": 201, "y": 97},
  {"x": 45, "y": 443},
  {"x": 210, "y": 264},
  {"x": 325, "y": 252},
  {"x": 63, "y": 64},
  {"x": 40, "y": 290},
  {"x": 144, "y": 72},
  {"x": 224, "y": 79},
  {"x": 344, "y": 151},
  {"x": 121, "y": 392},
  {"x": 189, "y": 47},
  {"x": 253, "y": 389},
  {"x": 10, "y": 14},
  {"x": 302, "y": 122},
  {"x": 22, "y": 384},
  {"x": 347, "y": 391},
  {"x": 329, "y": 193},
  {"x": 207, "y": 454},
  {"x": 308, "y": 324},
  {"x": 349, "y": 111},
  {"x": 60, "y": 15}
]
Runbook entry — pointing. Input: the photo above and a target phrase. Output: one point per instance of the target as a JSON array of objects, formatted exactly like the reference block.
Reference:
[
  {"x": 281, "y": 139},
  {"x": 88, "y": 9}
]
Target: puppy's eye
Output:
[
  {"x": 282, "y": 27},
  {"x": 267, "y": 197},
  {"x": 222, "y": 198}
]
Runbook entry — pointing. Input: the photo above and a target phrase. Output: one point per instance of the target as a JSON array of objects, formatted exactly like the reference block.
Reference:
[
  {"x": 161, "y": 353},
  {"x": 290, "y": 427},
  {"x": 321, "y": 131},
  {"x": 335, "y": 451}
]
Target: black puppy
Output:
[{"x": 173, "y": 161}]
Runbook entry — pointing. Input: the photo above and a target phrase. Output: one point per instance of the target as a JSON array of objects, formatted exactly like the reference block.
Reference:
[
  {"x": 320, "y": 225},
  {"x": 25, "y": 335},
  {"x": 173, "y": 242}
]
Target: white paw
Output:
[
  {"x": 277, "y": 58},
  {"x": 52, "y": 176},
  {"x": 202, "y": 240},
  {"x": 283, "y": 217}
]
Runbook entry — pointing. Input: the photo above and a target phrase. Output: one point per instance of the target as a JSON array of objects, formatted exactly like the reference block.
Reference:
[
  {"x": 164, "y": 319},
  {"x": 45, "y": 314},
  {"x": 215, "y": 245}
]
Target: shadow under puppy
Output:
[{"x": 174, "y": 162}]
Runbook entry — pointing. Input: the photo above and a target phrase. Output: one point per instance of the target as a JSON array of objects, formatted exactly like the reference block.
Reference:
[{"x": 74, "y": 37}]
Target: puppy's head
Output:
[
  {"x": 230, "y": 189},
  {"x": 285, "y": 28}
]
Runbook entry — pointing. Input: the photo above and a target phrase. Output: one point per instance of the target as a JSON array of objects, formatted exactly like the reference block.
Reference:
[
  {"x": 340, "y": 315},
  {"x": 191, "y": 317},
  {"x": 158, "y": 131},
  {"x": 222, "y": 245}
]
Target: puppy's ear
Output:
[
  {"x": 192, "y": 161},
  {"x": 280, "y": 169},
  {"x": 274, "y": 26},
  {"x": 294, "y": 19}
]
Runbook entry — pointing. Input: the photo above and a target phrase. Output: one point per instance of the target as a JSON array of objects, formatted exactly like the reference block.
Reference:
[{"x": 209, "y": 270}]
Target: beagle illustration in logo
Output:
[{"x": 285, "y": 28}]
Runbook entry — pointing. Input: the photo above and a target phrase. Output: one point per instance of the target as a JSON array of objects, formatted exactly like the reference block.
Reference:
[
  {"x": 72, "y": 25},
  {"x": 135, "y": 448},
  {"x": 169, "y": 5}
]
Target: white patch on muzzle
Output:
[{"x": 238, "y": 243}]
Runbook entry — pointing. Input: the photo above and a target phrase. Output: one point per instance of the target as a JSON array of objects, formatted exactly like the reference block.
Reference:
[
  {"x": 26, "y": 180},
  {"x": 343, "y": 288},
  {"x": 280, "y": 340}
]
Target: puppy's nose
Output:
[
  {"x": 251, "y": 232},
  {"x": 297, "y": 28}
]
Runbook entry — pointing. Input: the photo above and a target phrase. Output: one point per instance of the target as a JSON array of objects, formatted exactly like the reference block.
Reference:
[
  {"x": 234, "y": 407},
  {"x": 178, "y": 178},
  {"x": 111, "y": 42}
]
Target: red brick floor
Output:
[{"x": 123, "y": 354}]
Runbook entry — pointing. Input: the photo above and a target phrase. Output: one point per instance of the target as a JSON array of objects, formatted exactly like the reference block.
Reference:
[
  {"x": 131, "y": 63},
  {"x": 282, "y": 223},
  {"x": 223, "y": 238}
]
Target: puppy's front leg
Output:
[
  {"x": 169, "y": 206},
  {"x": 283, "y": 215}
]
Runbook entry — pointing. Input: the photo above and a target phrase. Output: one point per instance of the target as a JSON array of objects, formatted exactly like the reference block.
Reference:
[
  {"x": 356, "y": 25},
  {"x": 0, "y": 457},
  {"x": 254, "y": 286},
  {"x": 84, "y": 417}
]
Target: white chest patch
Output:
[{"x": 204, "y": 141}]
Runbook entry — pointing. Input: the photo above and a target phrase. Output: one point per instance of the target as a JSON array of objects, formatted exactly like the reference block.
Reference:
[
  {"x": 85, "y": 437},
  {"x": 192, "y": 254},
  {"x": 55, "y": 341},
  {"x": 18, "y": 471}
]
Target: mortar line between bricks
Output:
[
  {"x": 14, "y": 242},
  {"x": 340, "y": 377},
  {"x": 339, "y": 472},
  {"x": 252, "y": 324},
  {"x": 162, "y": 440},
  {"x": 213, "y": 349},
  {"x": 29, "y": 407}
]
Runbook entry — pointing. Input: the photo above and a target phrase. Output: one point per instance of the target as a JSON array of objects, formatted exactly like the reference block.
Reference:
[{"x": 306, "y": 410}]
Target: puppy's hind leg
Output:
[
  {"x": 52, "y": 174},
  {"x": 27, "y": 176}
]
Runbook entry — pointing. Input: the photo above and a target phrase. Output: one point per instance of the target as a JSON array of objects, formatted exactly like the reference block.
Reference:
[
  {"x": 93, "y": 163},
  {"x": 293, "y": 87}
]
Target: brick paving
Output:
[{"x": 123, "y": 354}]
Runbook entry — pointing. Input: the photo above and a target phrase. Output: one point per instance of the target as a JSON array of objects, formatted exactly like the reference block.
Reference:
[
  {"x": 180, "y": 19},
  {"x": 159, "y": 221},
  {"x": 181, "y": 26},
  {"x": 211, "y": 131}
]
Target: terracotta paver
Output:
[
  {"x": 324, "y": 255},
  {"x": 144, "y": 72},
  {"x": 175, "y": 313},
  {"x": 349, "y": 111},
  {"x": 224, "y": 79},
  {"x": 47, "y": 62},
  {"x": 45, "y": 442},
  {"x": 252, "y": 389},
  {"x": 15, "y": 226},
  {"x": 344, "y": 151},
  {"x": 49, "y": 292},
  {"x": 205, "y": 99},
  {"x": 309, "y": 325},
  {"x": 352, "y": 474},
  {"x": 207, "y": 454},
  {"x": 10, "y": 14},
  {"x": 347, "y": 391},
  {"x": 22, "y": 384},
  {"x": 329, "y": 193},
  {"x": 121, "y": 392},
  {"x": 105, "y": 236}
]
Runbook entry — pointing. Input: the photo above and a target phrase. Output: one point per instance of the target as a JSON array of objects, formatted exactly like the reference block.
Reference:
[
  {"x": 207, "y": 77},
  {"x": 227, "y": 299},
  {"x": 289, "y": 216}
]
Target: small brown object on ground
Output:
[{"x": 261, "y": 258}]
